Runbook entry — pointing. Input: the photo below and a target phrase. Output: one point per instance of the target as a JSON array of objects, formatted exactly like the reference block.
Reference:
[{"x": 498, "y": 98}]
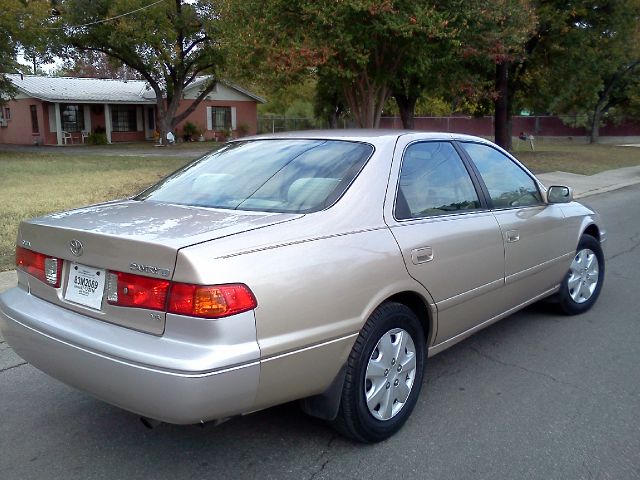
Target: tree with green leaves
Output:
[
  {"x": 594, "y": 47},
  {"x": 495, "y": 42},
  {"x": 169, "y": 43},
  {"x": 360, "y": 45},
  {"x": 20, "y": 27}
]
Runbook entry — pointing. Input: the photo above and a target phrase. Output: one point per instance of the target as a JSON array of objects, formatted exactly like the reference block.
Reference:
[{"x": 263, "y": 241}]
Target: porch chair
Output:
[
  {"x": 66, "y": 138},
  {"x": 84, "y": 135}
]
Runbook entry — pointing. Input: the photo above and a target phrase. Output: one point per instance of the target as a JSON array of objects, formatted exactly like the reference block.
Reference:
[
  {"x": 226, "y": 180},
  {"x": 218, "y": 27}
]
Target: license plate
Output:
[{"x": 85, "y": 286}]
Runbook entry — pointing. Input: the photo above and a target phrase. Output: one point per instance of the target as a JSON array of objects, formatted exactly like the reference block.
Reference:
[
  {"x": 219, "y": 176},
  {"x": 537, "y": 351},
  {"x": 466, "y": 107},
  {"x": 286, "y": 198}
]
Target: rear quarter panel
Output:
[{"x": 314, "y": 296}]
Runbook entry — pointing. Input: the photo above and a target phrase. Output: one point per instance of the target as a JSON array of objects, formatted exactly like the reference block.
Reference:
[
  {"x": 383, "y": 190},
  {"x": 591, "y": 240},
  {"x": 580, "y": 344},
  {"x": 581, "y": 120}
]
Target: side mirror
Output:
[{"x": 559, "y": 194}]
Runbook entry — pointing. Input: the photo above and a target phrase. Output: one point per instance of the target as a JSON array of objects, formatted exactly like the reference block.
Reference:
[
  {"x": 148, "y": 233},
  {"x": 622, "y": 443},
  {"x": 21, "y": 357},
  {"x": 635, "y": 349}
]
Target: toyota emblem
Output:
[{"x": 76, "y": 247}]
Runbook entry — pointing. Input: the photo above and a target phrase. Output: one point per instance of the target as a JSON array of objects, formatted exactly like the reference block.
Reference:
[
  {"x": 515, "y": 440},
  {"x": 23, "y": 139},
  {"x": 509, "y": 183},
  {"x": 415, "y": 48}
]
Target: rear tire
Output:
[
  {"x": 384, "y": 375},
  {"x": 581, "y": 286}
]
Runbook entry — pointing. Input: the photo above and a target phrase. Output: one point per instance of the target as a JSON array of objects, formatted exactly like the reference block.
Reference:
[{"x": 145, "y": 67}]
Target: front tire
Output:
[
  {"x": 384, "y": 375},
  {"x": 581, "y": 287}
]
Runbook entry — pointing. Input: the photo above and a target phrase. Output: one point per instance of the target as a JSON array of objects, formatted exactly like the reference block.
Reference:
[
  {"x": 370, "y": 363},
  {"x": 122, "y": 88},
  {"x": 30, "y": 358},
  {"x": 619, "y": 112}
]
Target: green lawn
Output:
[
  {"x": 576, "y": 158},
  {"x": 33, "y": 184}
]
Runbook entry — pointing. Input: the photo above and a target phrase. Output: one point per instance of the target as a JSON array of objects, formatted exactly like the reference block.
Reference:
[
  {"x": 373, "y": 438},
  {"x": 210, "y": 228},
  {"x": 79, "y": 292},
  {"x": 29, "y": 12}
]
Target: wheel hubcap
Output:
[
  {"x": 390, "y": 374},
  {"x": 583, "y": 275}
]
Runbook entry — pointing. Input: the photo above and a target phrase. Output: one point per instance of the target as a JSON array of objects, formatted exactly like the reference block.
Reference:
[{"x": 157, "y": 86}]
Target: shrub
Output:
[{"x": 97, "y": 138}]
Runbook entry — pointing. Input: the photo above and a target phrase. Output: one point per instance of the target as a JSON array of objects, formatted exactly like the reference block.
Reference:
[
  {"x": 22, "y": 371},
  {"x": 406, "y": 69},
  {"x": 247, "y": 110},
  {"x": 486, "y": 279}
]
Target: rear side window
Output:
[
  {"x": 292, "y": 175},
  {"x": 433, "y": 181},
  {"x": 509, "y": 186}
]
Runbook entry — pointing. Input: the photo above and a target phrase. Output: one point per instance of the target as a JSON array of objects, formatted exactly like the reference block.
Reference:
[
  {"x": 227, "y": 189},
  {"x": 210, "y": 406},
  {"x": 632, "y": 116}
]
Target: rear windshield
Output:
[{"x": 293, "y": 176}]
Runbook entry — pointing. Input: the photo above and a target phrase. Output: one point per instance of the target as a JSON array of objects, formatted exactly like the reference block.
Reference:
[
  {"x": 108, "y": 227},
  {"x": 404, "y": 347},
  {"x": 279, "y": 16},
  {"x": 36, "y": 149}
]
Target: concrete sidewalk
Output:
[{"x": 586, "y": 185}]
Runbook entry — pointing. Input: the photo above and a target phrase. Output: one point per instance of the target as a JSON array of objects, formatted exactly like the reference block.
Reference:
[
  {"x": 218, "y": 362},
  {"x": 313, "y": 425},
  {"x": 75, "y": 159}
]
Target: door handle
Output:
[
  {"x": 421, "y": 255},
  {"x": 512, "y": 236}
]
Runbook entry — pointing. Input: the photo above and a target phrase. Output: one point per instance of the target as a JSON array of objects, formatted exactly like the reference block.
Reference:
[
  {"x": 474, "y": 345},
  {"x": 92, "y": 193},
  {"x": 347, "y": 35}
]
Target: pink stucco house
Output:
[{"x": 64, "y": 110}]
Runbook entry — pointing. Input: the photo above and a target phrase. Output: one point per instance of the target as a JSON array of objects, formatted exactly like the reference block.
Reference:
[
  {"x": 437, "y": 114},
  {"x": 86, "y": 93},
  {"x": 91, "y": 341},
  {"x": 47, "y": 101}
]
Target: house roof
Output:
[
  {"x": 82, "y": 90},
  {"x": 98, "y": 90}
]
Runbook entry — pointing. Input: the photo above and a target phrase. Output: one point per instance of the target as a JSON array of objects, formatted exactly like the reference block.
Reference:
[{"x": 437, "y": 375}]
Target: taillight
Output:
[
  {"x": 45, "y": 268},
  {"x": 205, "y": 301},
  {"x": 210, "y": 301},
  {"x": 129, "y": 290}
]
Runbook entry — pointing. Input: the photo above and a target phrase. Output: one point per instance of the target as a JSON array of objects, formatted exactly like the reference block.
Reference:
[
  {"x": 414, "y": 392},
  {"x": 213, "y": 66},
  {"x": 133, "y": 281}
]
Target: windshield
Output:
[{"x": 293, "y": 176}]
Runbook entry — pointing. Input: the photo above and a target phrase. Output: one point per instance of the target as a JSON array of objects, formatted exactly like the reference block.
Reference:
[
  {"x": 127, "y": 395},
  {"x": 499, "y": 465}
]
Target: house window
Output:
[
  {"x": 221, "y": 118},
  {"x": 124, "y": 118},
  {"x": 7, "y": 113},
  {"x": 72, "y": 118},
  {"x": 34, "y": 119}
]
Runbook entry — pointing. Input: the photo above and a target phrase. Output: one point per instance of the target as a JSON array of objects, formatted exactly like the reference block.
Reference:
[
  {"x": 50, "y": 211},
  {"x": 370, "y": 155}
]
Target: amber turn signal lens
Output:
[{"x": 210, "y": 301}]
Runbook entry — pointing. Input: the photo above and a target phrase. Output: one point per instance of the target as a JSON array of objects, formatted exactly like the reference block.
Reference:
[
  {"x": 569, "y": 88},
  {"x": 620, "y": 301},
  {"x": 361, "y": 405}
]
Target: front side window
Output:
[
  {"x": 433, "y": 181},
  {"x": 509, "y": 186},
  {"x": 293, "y": 176},
  {"x": 72, "y": 117},
  {"x": 124, "y": 118},
  {"x": 221, "y": 118}
]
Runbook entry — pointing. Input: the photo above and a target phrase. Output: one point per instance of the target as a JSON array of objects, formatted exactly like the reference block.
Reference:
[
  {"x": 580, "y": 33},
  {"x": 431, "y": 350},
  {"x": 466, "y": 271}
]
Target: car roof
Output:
[{"x": 363, "y": 135}]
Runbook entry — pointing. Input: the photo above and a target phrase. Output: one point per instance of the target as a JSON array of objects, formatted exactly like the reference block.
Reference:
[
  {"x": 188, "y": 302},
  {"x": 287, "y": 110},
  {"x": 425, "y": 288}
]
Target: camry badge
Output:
[
  {"x": 152, "y": 269},
  {"x": 76, "y": 247}
]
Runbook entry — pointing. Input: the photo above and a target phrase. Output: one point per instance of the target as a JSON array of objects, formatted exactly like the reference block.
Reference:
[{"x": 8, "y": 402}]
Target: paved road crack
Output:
[
  {"x": 520, "y": 367},
  {"x": 13, "y": 366},
  {"x": 324, "y": 453},
  {"x": 628, "y": 250}
]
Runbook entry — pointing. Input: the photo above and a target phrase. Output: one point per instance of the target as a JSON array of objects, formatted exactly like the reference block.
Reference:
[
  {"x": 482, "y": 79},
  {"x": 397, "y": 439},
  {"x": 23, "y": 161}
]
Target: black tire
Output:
[
  {"x": 567, "y": 300},
  {"x": 386, "y": 323}
]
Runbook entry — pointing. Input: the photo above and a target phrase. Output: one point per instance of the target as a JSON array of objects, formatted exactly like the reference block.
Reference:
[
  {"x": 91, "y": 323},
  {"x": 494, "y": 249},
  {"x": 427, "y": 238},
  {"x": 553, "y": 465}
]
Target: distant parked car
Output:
[{"x": 323, "y": 266}]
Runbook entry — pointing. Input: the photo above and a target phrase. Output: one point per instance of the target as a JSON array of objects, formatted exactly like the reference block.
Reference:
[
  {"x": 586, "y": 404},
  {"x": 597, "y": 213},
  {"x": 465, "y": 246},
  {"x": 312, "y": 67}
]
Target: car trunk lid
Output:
[{"x": 129, "y": 236}]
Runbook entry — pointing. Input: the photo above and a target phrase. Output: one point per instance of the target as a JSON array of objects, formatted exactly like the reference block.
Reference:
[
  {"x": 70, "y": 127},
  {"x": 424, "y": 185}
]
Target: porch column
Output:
[
  {"x": 58, "y": 124},
  {"x": 107, "y": 122},
  {"x": 87, "y": 117}
]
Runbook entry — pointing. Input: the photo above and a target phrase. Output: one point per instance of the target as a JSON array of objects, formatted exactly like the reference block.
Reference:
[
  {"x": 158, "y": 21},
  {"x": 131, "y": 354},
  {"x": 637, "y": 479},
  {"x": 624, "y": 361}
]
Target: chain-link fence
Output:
[{"x": 281, "y": 123}]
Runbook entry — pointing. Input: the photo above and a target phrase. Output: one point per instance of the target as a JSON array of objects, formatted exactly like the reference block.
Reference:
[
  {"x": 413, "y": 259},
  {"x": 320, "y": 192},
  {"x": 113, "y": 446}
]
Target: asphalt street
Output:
[{"x": 536, "y": 396}]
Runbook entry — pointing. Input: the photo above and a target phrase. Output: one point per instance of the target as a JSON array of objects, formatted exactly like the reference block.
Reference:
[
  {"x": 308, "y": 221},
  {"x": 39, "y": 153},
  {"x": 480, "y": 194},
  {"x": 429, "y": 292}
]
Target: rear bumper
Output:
[{"x": 210, "y": 372}]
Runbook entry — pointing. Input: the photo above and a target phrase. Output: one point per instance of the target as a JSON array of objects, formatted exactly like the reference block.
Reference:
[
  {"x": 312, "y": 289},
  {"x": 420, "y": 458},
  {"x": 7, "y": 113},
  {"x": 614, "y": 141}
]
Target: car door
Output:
[
  {"x": 534, "y": 233},
  {"x": 450, "y": 241}
]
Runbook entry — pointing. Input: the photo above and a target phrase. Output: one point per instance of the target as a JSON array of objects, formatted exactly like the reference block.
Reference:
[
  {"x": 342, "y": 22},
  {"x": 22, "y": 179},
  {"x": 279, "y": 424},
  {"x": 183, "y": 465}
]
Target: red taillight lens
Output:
[
  {"x": 129, "y": 290},
  {"x": 205, "y": 301},
  {"x": 44, "y": 268},
  {"x": 210, "y": 301}
]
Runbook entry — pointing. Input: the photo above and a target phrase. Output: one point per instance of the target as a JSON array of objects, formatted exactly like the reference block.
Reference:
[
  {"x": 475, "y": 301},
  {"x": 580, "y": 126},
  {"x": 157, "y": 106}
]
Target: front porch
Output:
[{"x": 76, "y": 123}]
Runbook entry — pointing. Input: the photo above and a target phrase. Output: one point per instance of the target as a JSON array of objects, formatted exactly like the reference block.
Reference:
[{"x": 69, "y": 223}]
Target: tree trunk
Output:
[
  {"x": 333, "y": 119},
  {"x": 365, "y": 100},
  {"x": 595, "y": 124},
  {"x": 502, "y": 118},
  {"x": 164, "y": 121},
  {"x": 407, "y": 107}
]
